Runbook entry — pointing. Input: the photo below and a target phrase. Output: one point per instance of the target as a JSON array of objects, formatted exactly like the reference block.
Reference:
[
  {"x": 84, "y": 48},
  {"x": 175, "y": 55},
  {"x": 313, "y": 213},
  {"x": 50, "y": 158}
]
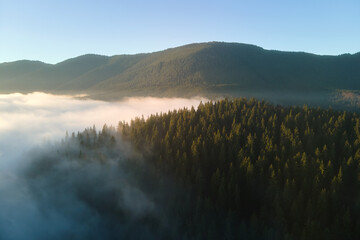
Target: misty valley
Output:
[
  {"x": 270, "y": 151},
  {"x": 176, "y": 169},
  {"x": 179, "y": 120},
  {"x": 41, "y": 202}
]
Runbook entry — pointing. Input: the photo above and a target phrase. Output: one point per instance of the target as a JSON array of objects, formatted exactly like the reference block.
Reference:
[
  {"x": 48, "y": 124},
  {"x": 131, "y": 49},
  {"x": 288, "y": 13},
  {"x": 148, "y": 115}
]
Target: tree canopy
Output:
[{"x": 251, "y": 170}]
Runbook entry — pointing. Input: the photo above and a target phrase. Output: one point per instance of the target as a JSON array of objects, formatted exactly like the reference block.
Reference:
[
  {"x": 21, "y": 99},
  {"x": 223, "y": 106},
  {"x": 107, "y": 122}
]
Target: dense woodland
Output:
[
  {"x": 246, "y": 169},
  {"x": 213, "y": 69}
]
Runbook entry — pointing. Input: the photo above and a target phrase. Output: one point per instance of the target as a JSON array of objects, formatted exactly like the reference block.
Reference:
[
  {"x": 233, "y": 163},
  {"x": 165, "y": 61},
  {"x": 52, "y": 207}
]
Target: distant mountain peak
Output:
[{"x": 211, "y": 68}]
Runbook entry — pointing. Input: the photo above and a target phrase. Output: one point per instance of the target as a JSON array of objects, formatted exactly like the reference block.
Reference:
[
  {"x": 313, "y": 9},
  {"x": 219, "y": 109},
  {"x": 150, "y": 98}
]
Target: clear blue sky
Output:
[{"x": 52, "y": 30}]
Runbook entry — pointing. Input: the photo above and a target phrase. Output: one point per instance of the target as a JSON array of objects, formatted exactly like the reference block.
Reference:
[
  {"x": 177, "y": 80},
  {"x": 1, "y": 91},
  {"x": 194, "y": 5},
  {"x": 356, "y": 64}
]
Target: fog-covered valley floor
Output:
[
  {"x": 38, "y": 202},
  {"x": 27, "y": 120}
]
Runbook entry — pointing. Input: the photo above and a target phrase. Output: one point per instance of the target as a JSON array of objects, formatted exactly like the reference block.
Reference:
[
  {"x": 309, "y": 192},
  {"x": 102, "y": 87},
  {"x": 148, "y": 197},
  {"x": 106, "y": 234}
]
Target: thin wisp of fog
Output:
[{"x": 49, "y": 202}]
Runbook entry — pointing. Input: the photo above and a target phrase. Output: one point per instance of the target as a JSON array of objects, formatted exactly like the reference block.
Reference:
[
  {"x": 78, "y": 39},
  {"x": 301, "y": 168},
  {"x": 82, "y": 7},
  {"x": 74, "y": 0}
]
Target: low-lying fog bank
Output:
[
  {"x": 48, "y": 205},
  {"x": 30, "y": 119}
]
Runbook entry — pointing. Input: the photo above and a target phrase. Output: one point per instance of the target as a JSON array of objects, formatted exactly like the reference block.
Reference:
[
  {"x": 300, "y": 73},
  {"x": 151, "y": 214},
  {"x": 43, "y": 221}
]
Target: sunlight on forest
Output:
[{"x": 28, "y": 119}]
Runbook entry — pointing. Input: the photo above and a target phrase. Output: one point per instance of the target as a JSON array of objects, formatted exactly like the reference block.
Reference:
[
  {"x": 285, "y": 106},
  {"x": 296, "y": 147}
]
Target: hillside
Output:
[
  {"x": 229, "y": 170},
  {"x": 208, "y": 69}
]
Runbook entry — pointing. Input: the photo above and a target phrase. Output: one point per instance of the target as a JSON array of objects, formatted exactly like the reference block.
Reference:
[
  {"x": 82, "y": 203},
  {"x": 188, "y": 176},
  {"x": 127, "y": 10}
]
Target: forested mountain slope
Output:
[
  {"x": 249, "y": 169},
  {"x": 208, "y": 69}
]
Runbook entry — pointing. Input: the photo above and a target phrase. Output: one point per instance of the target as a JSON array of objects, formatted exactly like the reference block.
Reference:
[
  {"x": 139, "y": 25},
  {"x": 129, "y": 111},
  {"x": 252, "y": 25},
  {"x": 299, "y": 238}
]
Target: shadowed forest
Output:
[
  {"x": 212, "y": 70},
  {"x": 179, "y": 120},
  {"x": 232, "y": 169}
]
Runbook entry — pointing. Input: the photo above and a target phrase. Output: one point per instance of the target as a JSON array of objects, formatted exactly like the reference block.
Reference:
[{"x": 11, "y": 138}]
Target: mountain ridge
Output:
[{"x": 207, "y": 69}]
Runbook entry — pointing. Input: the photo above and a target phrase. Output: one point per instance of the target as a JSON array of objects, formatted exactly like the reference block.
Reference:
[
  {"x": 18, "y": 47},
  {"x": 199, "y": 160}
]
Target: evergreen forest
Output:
[{"x": 233, "y": 169}]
